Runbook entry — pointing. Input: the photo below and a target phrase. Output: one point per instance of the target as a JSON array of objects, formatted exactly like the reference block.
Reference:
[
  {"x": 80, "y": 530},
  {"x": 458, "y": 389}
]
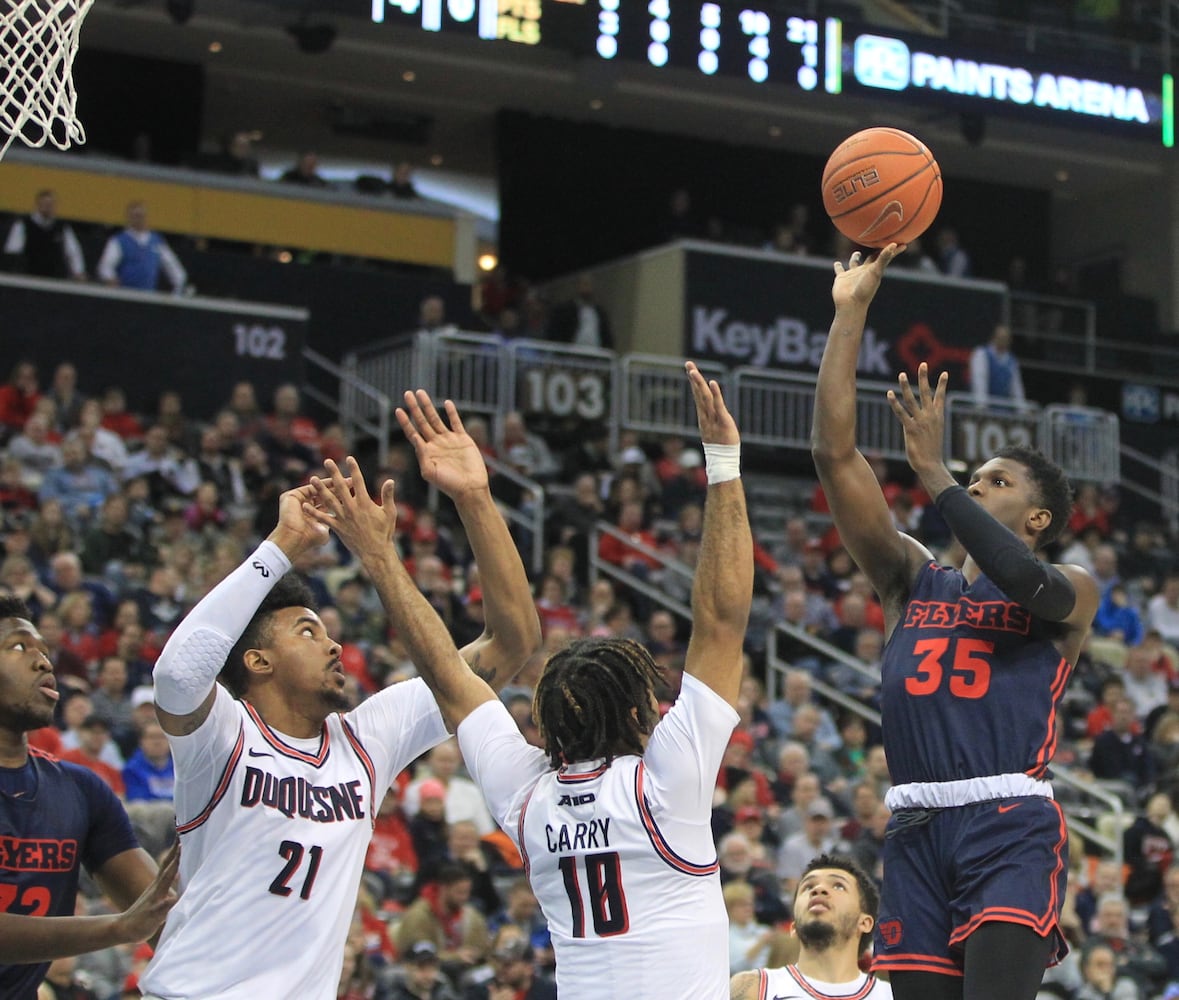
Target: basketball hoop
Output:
[{"x": 38, "y": 42}]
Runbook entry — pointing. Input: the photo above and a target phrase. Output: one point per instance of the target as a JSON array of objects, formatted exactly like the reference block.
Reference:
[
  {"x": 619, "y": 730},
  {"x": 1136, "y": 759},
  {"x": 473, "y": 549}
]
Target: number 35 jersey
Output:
[
  {"x": 621, "y": 857},
  {"x": 273, "y": 837},
  {"x": 971, "y": 683}
]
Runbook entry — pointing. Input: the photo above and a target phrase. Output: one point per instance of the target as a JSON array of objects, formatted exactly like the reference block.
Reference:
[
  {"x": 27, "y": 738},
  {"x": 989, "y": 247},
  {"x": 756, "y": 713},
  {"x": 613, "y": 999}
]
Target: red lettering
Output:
[{"x": 37, "y": 855}]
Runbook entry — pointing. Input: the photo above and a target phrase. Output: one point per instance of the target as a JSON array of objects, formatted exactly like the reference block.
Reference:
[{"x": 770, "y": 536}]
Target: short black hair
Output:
[
  {"x": 869, "y": 894},
  {"x": 14, "y": 607},
  {"x": 594, "y": 700},
  {"x": 291, "y": 591},
  {"x": 450, "y": 872},
  {"x": 1053, "y": 489}
]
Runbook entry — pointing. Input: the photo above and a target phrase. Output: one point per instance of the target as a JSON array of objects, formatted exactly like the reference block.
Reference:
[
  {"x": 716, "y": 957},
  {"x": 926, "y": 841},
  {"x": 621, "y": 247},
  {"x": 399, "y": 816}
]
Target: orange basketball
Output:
[{"x": 882, "y": 186}]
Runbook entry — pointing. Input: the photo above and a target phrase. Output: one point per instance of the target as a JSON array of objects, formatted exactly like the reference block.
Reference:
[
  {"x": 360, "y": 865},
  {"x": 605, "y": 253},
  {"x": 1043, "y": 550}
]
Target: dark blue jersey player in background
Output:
[
  {"x": 973, "y": 672},
  {"x": 55, "y": 816}
]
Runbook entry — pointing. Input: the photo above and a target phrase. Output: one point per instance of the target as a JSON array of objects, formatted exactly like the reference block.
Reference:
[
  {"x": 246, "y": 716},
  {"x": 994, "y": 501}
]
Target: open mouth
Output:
[{"x": 49, "y": 689}]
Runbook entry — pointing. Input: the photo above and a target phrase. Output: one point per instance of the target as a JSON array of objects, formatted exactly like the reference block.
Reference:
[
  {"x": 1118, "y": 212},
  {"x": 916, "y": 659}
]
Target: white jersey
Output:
[
  {"x": 274, "y": 832},
  {"x": 788, "y": 983},
  {"x": 621, "y": 857}
]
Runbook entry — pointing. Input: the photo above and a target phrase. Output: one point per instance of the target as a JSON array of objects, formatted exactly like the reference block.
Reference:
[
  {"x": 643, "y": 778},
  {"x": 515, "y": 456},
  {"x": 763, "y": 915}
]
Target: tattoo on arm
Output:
[
  {"x": 483, "y": 673},
  {"x": 743, "y": 987}
]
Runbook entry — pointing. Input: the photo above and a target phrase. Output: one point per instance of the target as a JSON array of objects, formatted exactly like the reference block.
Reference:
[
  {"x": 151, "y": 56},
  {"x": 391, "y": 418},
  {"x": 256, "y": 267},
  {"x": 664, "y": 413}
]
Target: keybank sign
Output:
[
  {"x": 786, "y": 342},
  {"x": 888, "y": 63}
]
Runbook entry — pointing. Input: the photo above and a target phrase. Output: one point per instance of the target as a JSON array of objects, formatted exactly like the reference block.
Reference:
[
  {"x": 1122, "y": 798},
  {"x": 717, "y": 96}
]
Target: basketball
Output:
[{"x": 881, "y": 186}]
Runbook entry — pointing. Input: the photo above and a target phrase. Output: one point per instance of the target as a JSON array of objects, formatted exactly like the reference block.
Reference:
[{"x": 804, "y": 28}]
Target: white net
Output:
[{"x": 38, "y": 42}]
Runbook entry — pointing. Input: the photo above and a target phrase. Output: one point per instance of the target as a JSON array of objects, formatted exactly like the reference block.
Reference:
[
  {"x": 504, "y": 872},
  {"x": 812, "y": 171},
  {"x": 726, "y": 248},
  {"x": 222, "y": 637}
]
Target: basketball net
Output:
[{"x": 38, "y": 42}]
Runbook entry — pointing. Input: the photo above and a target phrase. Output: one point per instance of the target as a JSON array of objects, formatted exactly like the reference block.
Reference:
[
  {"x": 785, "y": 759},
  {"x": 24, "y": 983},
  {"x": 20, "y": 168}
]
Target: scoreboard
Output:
[{"x": 770, "y": 44}]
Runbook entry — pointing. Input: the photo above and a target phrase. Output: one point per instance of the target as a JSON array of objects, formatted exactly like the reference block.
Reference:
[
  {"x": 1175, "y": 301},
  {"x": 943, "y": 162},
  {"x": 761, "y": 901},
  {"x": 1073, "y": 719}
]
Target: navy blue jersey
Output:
[
  {"x": 70, "y": 817},
  {"x": 971, "y": 683}
]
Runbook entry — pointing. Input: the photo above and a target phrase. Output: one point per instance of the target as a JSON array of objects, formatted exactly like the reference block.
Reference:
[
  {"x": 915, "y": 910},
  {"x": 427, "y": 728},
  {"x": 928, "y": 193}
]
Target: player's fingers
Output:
[
  {"x": 407, "y": 426},
  {"x": 430, "y": 412},
  {"x": 327, "y": 500},
  {"x": 901, "y": 413},
  {"x": 923, "y": 384},
  {"x": 414, "y": 409},
  {"x": 337, "y": 482},
  {"x": 170, "y": 861},
  {"x": 453, "y": 418},
  {"x": 939, "y": 394},
  {"x": 907, "y": 392},
  {"x": 356, "y": 477},
  {"x": 324, "y": 519}
]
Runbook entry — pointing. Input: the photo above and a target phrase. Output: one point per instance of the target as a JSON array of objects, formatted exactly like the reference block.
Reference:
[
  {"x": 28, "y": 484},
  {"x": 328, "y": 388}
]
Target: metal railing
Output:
[
  {"x": 576, "y": 386},
  {"x": 531, "y": 518},
  {"x": 373, "y": 417},
  {"x": 655, "y": 395},
  {"x": 652, "y": 591},
  {"x": 777, "y": 667},
  {"x": 1088, "y": 787}
]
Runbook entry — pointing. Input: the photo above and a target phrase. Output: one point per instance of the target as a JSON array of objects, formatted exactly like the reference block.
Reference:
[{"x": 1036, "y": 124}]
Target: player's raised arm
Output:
[
  {"x": 450, "y": 459},
  {"x": 858, "y": 506},
  {"x": 186, "y": 672},
  {"x": 366, "y": 527},
  {"x": 722, "y": 590},
  {"x": 1057, "y": 593}
]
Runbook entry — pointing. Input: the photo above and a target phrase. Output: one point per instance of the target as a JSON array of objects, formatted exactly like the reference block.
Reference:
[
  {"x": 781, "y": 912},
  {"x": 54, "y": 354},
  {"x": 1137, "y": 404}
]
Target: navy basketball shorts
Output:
[{"x": 948, "y": 871}]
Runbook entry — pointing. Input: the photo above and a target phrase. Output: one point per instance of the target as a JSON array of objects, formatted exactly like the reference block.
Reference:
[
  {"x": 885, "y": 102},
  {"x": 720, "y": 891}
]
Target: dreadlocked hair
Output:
[
  {"x": 594, "y": 700},
  {"x": 291, "y": 591}
]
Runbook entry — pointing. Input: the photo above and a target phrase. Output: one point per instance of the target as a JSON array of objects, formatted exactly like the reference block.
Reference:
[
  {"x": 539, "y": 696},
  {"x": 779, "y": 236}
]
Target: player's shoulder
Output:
[
  {"x": 57, "y": 776},
  {"x": 746, "y": 985},
  {"x": 880, "y": 990}
]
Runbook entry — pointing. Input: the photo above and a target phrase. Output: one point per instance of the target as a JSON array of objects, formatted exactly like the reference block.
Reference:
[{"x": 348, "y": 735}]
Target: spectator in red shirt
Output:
[
  {"x": 618, "y": 552},
  {"x": 1088, "y": 512},
  {"x": 287, "y": 404},
  {"x": 116, "y": 417},
  {"x": 93, "y": 735},
  {"x": 391, "y": 864},
  {"x": 552, "y": 607},
  {"x": 1100, "y": 716},
  {"x": 18, "y": 397}
]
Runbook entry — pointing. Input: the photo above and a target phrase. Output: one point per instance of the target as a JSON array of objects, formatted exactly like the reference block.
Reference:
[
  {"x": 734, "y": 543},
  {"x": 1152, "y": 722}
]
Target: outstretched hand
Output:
[
  {"x": 717, "y": 425},
  {"x": 343, "y": 504},
  {"x": 296, "y": 532},
  {"x": 143, "y": 917},
  {"x": 856, "y": 284},
  {"x": 447, "y": 456},
  {"x": 922, "y": 416}
]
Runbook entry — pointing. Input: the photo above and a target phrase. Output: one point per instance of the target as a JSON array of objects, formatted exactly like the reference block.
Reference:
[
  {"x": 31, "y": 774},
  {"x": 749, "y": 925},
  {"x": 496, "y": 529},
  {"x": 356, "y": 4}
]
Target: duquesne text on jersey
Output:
[
  {"x": 298, "y": 797},
  {"x": 578, "y": 836},
  {"x": 1002, "y": 616}
]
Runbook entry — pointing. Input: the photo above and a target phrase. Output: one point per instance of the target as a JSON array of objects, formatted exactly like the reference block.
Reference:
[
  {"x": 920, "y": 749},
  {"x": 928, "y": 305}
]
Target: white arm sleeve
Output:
[{"x": 192, "y": 658}]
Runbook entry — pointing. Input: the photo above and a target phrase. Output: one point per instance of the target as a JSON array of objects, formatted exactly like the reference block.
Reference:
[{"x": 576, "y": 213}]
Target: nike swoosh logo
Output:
[
  {"x": 258, "y": 753},
  {"x": 890, "y": 209},
  {"x": 1014, "y": 805}
]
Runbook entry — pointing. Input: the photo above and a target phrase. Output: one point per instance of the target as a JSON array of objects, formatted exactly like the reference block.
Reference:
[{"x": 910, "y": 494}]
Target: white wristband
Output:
[{"x": 722, "y": 462}]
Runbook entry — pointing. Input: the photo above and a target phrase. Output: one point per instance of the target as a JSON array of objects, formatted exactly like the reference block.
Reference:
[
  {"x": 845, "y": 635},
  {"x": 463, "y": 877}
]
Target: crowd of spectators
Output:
[{"x": 115, "y": 524}]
